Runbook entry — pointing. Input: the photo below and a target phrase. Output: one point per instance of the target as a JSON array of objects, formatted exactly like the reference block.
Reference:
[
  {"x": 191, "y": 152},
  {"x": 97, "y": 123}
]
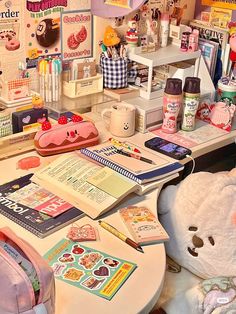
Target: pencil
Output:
[
  {"x": 125, "y": 153},
  {"x": 120, "y": 235}
]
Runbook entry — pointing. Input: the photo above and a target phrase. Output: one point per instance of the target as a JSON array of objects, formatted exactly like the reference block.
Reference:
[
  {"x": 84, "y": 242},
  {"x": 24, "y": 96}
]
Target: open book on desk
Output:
[
  {"x": 92, "y": 188},
  {"x": 133, "y": 168}
]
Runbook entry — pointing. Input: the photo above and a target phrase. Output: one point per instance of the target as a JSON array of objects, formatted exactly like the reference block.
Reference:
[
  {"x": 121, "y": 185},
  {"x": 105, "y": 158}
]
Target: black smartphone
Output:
[{"x": 168, "y": 148}]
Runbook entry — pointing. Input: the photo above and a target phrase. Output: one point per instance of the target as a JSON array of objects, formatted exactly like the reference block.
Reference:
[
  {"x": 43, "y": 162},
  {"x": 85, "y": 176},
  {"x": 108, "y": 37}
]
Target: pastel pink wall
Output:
[{"x": 199, "y": 8}]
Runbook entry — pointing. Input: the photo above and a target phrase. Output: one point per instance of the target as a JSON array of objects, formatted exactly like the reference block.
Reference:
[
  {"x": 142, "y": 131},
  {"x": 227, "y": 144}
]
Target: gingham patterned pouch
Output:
[
  {"x": 5, "y": 122},
  {"x": 115, "y": 72}
]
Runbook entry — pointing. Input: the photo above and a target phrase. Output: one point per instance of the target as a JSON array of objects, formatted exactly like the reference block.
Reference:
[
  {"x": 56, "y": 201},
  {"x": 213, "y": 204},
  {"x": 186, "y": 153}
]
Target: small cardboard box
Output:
[{"x": 16, "y": 89}]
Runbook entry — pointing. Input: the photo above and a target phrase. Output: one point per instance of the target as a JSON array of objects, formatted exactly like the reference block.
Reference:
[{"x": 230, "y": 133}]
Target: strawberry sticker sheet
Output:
[{"x": 88, "y": 269}]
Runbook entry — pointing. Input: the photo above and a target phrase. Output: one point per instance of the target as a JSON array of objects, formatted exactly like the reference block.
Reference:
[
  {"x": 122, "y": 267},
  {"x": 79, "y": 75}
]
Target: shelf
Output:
[{"x": 163, "y": 56}]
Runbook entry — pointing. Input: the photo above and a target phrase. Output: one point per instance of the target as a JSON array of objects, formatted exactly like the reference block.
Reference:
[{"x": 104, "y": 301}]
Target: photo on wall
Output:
[
  {"x": 43, "y": 27},
  {"x": 76, "y": 34},
  {"x": 10, "y": 26}
]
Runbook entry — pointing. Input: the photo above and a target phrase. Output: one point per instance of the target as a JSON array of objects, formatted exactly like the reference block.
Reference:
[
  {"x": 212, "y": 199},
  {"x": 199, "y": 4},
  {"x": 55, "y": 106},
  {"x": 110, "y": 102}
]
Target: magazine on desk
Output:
[
  {"x": 133, "y": 165},
  {"x": 93, "y": 188},
  {"x": 34, "y": 208}
]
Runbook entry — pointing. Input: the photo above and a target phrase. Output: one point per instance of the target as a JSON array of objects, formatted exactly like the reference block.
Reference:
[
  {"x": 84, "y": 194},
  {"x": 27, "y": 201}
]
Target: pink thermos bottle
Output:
[{"x": 172, "y": 102}]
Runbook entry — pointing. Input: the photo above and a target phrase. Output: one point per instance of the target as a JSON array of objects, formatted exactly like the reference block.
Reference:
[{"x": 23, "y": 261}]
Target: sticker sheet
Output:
[{"x": 88, "y": 269}]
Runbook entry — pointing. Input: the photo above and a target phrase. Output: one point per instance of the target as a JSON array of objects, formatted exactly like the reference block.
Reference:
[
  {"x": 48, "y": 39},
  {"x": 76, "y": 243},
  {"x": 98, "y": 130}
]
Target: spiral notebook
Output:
[
  {"x": 131, "y": 167},
  {"x": 29, "y": 218}
]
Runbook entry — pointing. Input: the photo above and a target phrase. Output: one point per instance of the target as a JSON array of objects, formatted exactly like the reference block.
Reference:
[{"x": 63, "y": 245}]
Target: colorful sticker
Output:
[
  {"x": 66, "y": 258},
  {"x": 88, "y": 261},
  {"x": 111, "y": 262},
  {"x": 73, "y": 274},
  {"x": 93, "y": 283},
  {"x": 58, "y": 269},
  {"x": 102, "y": 271}
]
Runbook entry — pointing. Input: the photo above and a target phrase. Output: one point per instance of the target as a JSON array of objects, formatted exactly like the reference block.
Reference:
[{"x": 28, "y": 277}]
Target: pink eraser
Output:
[{"x": 28, "y": 162}]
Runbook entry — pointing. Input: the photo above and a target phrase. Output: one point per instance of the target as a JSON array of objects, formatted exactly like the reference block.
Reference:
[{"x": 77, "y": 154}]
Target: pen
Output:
[
  {"x": 123, "y": 152},
  {"x": 115, "y": 142},
  {"x": 120, "y": 235}
]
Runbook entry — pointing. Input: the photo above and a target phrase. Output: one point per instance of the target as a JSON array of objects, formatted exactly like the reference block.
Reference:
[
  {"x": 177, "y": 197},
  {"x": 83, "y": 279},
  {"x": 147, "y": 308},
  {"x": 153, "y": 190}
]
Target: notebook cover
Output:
[
  {"x": 35, "y": 221},
  {"x": 143, "y": 225}
]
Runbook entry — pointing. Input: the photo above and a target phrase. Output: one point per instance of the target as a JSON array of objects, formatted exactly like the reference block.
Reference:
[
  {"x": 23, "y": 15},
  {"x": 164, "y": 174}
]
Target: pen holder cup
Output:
[
  {"x": 50, "y": 86},
  {"x": 115, "y": 72},
  {"x": 16, "y": 89},
  {"x": 226, "y": 93}
]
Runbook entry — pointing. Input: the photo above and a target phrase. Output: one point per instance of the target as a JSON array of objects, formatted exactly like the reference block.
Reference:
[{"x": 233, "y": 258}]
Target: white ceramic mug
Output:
[{"x": 120, "y": 119}]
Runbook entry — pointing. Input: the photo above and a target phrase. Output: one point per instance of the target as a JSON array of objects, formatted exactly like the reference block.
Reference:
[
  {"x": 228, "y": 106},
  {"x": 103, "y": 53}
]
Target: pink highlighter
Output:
[{"x": 28, "y": 163}]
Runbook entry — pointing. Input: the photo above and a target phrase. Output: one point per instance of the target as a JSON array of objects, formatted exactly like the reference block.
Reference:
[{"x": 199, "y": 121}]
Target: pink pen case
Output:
[{"x": 60, "y": 138}]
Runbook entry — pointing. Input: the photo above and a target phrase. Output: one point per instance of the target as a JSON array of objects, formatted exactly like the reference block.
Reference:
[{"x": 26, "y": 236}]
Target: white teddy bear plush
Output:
[{"x": 199, "y": 215}]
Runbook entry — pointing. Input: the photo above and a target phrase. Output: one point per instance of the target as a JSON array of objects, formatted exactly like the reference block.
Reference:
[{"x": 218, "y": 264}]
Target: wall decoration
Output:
[
  {"x": 10, "y": 26},
  {"x": 220, "y": 17},
  {"x": 119, "y": 3},
  {"x": 43, "y": 27},
  {"x": 225, "y": 4},
  {"x": 100, "y": 8},
  {"x": 76, "y": 34}
]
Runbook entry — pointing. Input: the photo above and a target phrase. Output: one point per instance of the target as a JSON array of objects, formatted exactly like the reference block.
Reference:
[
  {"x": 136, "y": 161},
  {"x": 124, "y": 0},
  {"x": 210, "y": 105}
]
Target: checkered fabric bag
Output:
[
  {"x": 115, "y": 72},
  {"x": 5, "y": 123}
]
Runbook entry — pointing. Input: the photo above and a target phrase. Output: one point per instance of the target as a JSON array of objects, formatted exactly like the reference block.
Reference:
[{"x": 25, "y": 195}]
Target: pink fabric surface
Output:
[{"x": 99, "y": 8}]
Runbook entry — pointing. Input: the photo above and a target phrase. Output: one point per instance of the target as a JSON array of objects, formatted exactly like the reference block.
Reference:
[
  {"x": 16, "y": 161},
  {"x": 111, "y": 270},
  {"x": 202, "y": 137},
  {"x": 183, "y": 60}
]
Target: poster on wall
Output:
[
  {"x": 11, "y": 15},
  {"x": 76, "y": 34},
  {"x": 225, "y": 4},
  {"x": 119, "y": 3},
  {"x": 43, "y": 27}
]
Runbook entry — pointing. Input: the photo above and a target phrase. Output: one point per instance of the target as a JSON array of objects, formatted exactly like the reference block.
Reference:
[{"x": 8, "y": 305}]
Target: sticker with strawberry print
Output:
[
  {"x": 111, "y": 262},
  {"x": 93, "y": 283},
  {"x": 102, "y": 271},
  {"x": 77, "y": 250},
  {"x": 58, "y": 268},
  {"x": 66, "y": 258},
  {"x": 89, "y": 260}
]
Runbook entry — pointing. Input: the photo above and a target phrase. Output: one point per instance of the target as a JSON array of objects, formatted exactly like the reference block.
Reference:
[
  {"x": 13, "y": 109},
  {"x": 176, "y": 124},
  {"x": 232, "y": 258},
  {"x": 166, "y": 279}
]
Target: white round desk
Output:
[{"x": 141, "y": 290}]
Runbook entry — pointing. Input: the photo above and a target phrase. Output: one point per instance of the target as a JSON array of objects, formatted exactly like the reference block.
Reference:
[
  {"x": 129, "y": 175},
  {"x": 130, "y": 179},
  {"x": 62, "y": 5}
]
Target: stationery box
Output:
[
  {"x": 22, "y": 119},
  {"x": 15, "y": 89}
]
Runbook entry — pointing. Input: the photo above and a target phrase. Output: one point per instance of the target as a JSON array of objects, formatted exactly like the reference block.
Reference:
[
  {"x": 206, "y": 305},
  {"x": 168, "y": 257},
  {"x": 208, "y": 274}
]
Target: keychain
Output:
[{"x": 83, "y": 233}]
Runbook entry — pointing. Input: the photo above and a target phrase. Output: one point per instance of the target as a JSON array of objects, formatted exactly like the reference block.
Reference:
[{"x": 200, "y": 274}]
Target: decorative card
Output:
[
  {"x": 76, "y": 34},
  {"x": 43, "y": 26},
  {"x": 119, "y": 3},
  {"x": 88, "y": 269},
  {"x": 222, "y": 115}
]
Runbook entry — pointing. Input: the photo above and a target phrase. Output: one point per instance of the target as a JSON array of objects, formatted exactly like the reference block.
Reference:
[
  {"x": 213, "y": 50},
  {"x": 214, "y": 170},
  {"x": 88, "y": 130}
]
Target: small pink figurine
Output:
[{"x": 132, "y": 33}]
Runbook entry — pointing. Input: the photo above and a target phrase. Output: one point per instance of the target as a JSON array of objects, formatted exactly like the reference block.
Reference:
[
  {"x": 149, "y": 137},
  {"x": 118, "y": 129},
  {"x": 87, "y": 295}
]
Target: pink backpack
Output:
[{"x": 27, "y": 282}]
